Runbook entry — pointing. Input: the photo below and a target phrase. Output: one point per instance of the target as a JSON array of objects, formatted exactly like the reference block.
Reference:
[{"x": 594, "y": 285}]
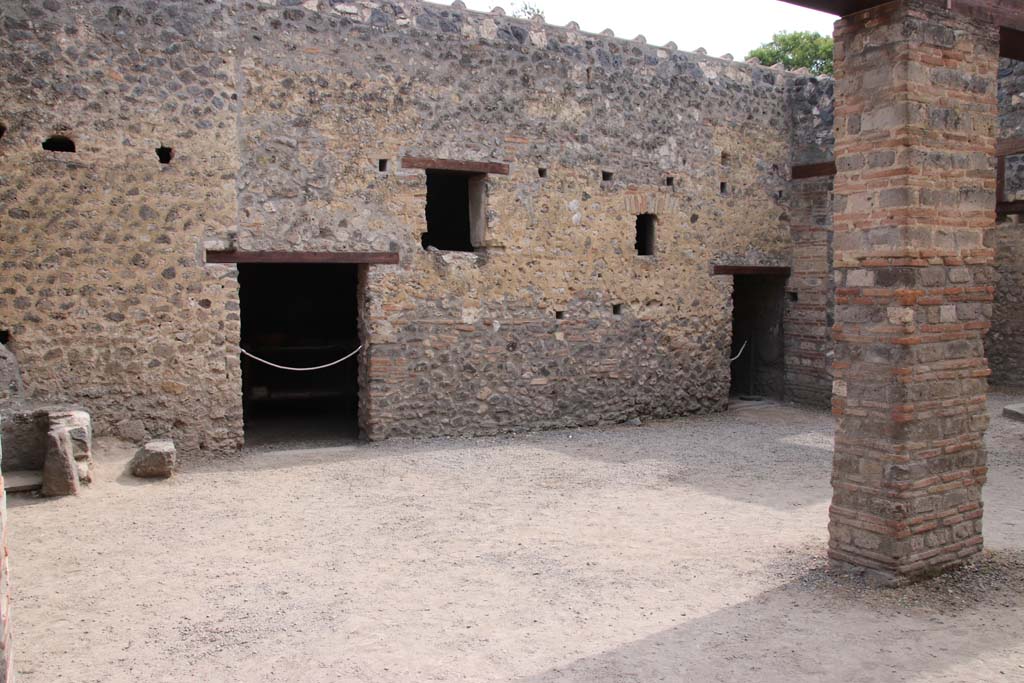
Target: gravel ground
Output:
[{"x": 690, "y": 549}]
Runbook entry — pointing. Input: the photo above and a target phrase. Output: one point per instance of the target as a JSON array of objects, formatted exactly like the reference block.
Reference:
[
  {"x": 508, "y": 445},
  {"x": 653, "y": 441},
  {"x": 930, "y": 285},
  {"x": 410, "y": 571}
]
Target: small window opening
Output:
[
  {"x": 382, "y": 165},
  {"x": 559, "y": 315},
  {"x": 59, "y": 143},
  {"x": 645, "y": 234},
  {"x": 670, "y": 181},
  {"x": 542, "y": 173},
  {"x": 456, "y": 210},
  {"x": 606, "y": 176},
  {"x": 724, "y": 188},
  {"x": 164, "y": 154},
  {"x": 616, "y": 309}
]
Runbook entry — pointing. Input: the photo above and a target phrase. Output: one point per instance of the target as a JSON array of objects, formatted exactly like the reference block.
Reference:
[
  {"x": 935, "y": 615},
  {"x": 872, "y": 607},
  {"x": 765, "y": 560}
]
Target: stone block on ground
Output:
[
  {"x": 1014, "y": 412},
  {"x": 60, "y": 471},
  {"x": 79, "y": 426},
  {"x": 155, "y": 459}
]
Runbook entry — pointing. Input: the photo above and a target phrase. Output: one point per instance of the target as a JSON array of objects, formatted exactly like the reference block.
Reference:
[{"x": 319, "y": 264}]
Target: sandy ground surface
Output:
[{"x": 685, "y": 550}]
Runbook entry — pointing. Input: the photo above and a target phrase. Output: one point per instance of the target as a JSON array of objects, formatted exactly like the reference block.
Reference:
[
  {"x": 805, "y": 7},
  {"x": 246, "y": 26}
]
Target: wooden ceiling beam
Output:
[{"x": 367, "y": 257}]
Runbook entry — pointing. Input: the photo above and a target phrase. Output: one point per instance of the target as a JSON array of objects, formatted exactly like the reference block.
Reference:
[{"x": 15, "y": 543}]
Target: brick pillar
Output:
[
  {"x": 6, "y": 661},
  {"x": 915, "y": 192}
]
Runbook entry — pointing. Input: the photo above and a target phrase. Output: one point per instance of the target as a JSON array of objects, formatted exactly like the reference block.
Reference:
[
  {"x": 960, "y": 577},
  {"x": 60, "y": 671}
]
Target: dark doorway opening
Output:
[
  {"x": 758, "y": 305},
  {"x": 299, "y": 315}
]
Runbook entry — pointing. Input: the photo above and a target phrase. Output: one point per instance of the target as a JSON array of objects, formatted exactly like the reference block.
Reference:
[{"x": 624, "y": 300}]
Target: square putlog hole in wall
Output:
[
  {"x": 164, "y": 154},
  {"x": 382, "y": 165},
  {"x": 607, "y": 176},
  {"x": 616, "y": 309},
  {"x": 645, "y": 224},
  {"x": 456, "y": 210},
  {"x": 542, "y": 173}
]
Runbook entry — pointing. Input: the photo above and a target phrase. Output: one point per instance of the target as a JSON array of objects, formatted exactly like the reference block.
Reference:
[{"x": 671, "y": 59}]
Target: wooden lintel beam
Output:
[
  {"x": 1010, "y": 147},
  {"x": 426, "y": 164},
  {"x": 751, "y": 270},
  {"x": 826, "y": 168},
  {"x": 363, "y": 257},
  {"x": 1010, "y": 208}
]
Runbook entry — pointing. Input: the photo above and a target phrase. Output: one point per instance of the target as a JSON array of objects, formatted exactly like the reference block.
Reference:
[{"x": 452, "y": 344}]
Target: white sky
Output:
[{"x": 719, "y": 26}]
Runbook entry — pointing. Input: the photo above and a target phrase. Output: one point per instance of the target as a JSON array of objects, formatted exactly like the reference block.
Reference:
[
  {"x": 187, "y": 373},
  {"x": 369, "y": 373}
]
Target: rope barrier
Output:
[
  {"x": 285, "y": 367},
  {"x": 733, "y": 359}
]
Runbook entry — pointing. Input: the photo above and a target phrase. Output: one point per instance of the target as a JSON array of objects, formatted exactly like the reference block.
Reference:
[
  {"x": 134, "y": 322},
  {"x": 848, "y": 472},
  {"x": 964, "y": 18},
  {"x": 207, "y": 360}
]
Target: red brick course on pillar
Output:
[
  {"x": 6, "y": 663},
  {"x": 915, "y": 192}
]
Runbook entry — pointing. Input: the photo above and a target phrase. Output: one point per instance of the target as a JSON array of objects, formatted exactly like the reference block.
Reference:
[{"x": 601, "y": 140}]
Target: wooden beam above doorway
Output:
[
  {"x": 782, "y": 271},
  {"x": 494, "y": 167},
  {"x": 364, "y": 257}
]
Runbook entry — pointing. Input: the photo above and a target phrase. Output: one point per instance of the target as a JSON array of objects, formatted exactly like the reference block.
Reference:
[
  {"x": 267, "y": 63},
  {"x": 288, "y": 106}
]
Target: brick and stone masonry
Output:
[
  {"x": 915, "y": 194},
  {"x": 279, "y": 113},
  {"x": 6, "y": 650}
]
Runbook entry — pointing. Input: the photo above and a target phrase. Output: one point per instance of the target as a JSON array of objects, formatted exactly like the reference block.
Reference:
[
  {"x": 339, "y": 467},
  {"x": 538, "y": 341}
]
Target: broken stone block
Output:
[
  {"x": 1014, "y": 412},
  {"x": 79, "y": 426},
  {"x": 155, "y": 459},
  {"x": 60, "y": 471}
]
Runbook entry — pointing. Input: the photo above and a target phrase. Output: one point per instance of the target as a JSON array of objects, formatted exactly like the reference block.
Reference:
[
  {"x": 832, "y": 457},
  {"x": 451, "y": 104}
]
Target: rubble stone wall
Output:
[
  {"x": 104, "y": 292},
  {"x": 279, "y": 114},
  {"x": 470, "y": 343}
]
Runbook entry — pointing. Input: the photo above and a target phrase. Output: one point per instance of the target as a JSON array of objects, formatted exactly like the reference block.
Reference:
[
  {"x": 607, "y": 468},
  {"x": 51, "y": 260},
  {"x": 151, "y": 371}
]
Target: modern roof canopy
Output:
[{"x": 1007, "y": 14}]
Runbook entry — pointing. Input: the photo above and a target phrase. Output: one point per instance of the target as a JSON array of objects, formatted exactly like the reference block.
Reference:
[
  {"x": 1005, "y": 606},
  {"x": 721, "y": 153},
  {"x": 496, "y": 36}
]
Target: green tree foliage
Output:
[
  {"x": 797, "y": 49},
  {"x": 527, "y": 10}
]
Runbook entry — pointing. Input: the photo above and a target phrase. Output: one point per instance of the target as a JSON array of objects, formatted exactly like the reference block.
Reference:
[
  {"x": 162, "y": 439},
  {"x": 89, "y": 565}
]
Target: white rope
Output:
[
  {"x": 285, "y": 367},
  {"x": 733, "y": 359}
]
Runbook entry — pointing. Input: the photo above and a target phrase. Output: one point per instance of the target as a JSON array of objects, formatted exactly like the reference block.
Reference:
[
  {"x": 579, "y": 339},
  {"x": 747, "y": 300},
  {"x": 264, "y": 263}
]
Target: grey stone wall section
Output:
[
  {"x": 1004, "y": 344},
  {"x": 812, "y": 119},
  {"x": 1011, "y": 122}
]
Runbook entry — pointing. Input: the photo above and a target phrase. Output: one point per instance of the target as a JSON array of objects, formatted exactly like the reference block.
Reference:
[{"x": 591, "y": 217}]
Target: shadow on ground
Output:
[{"x": 961, "y": 626}]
